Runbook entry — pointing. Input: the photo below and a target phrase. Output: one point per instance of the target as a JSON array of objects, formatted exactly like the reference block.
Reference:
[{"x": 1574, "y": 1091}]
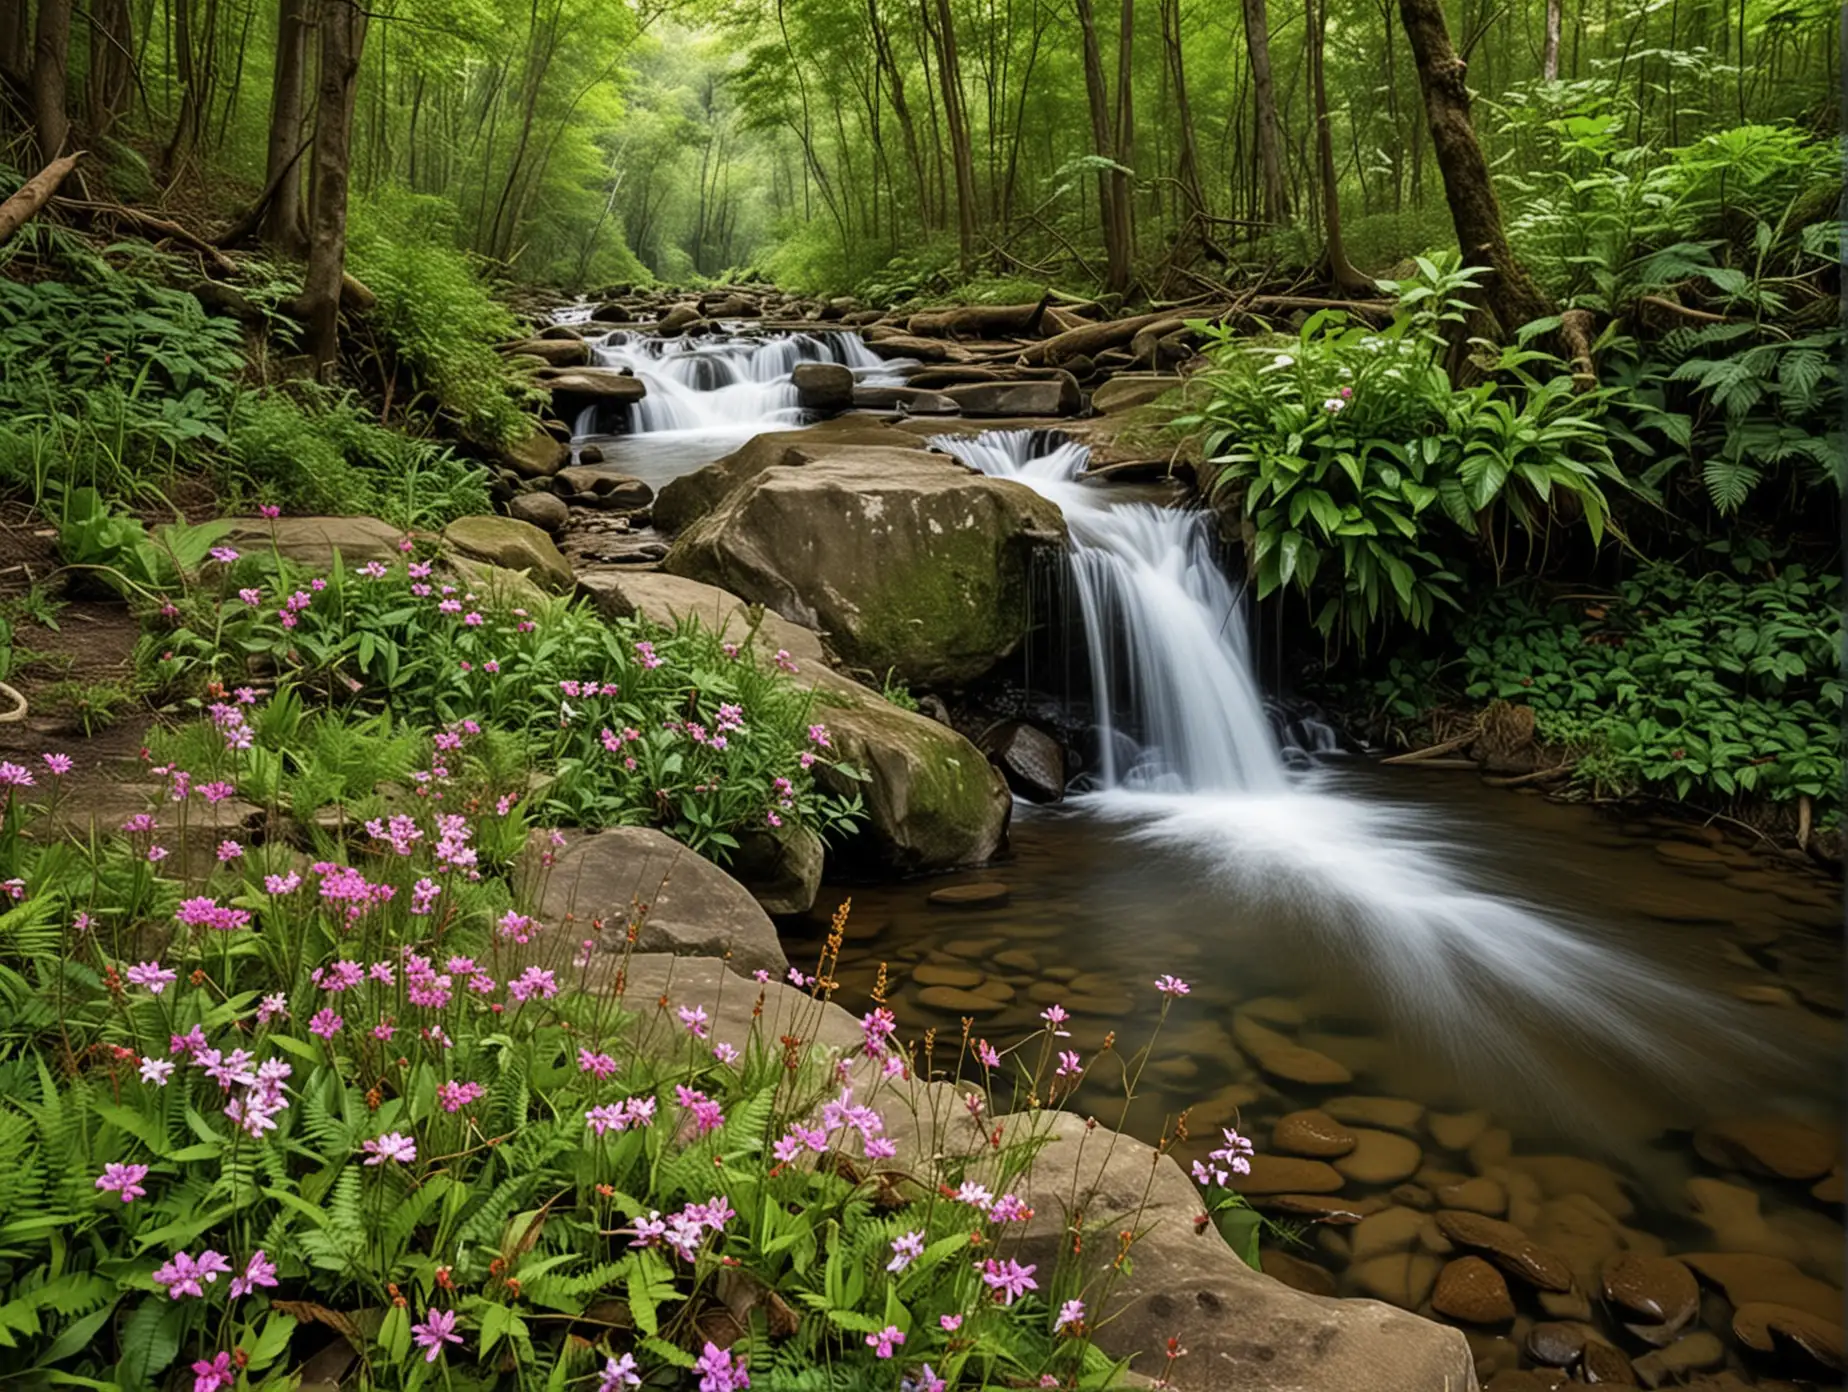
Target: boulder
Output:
[
  {"x": 677, "y": 320},
  {"x": 1314, "y": 1134},
  {"x": 1128, "y": 390},
  {"x": 612, "y": 313},
  {"x": 546, "y": 511},
  {"x": 1776, "y": 1146},
  {"x": 617, "y": 492},
  {"x": 1471, "y": 1290},
  {"x": 932, "y": 802},
  {"x": 781, "y": 868},
  {"x": 823, "y": 386},
  {"x": 686, "y": 904},
  {"x": 910, "y": 400},
  {"x": 1031, "y": 760},
  {"x": 894, "y": 344},
  {"x": 1057, "y": 398},
  {"x": 909, "y": 562},
  {"x": 573, "y": 390},
  {"x": 539, "y": 455},
  {"x": 313, "y": 541},
  {"x": 555, "y": 352},
  {"x": 691, "y": 496},
  {"x": 1508, "y": 1247},
  {"x": 564, "y": 333},
  {"x": 512, "y": 544}
]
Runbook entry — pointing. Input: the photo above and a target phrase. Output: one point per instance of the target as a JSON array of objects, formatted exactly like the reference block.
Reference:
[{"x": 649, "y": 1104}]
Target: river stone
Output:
[
  {"x": 1769, "y": 1328},
  {"x": 677, "y": 320},
  {"x": 575, "y": 388},
  {"x": 535, "y": 456},
  {"x": 1043, "y": 398},
  {"x": 936, "y": 974},
  {"x": 1402, "y": 1278},
  {"x": 1701, "y": 860},
  {"x": 1748, "y": 1278},
  {"x": 1731, "y": 1211},
  {"x": 1692, "y": 1353},
  {"x": 908, "y": 561},
  {"x": 1128, "y": 390},
  {"x": 1031, "y": 760},
  {"x": 1508, "y": 1246},
  {"x": 545, "y": 511},
  {"x": 686, "y": 499},
  {"x": 692, "y": 907},
  {"x": 512, "y": 544},
  {"x": 554, "y": 352},
  {"x": 1389, "y": 1230},
  {"x": 1557, "y": 1343},
  {"x": 1560, "y": 1175},
  {"x": 969, "y": 949},
  {"x": 1456, "y": 1130},
  {"x": 1774, "y": 1146},
  {"x": 1656, "y": 1291},
  {"x": 1391, "y": 1113},
  {"x": 1282, "y": 1174},
  {"x": 1828, "y": 1189},
  {"x": 615, "y": 492},
  {"x": 1318, "y": 1208},
  {"x": 1380, "y": 1157},
  {"x": 1471, "y": 1290},
  {"x": 1295, "y": 1273},
  {"x": 995, "y": 989},
  {"x": 1313, "y": 1134},
  {"x": 1484, "y": 1196},
  {"x": 1413, "y": 1196},
  {"x": 313, "y": 541},
  {"x": 1017, "y": 959},
  {"x": 1604, "y": 1363},
  {"x": 1274, "y": 1010},
  {"x": 984, "y": 895},
  {"x": 823, "y": 386},
  {"x": 952, "y": 1000}
]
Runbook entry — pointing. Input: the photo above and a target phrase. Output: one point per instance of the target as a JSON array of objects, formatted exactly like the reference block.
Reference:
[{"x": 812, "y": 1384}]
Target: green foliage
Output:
[{"x": 1369, "y": 480}]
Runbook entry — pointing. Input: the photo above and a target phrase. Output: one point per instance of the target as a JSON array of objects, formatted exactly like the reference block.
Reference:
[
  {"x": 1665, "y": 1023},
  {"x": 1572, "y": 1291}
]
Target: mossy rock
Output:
[{"x": 512, "y": 545}]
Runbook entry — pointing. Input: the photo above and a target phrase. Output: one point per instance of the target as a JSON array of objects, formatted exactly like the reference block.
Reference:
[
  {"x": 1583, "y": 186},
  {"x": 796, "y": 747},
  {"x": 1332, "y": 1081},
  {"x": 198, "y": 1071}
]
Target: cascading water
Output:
[{"x": 1482, "y": 971}]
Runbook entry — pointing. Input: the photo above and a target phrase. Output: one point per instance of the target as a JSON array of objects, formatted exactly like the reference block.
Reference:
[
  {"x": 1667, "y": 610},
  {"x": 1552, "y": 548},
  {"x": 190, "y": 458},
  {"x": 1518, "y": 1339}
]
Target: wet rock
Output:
[
  {"x": 1281, "y": 1174},
  {"x": 1829, "y": 1189},
  {"x": 1313, "y": 1134},
  {"x": 554, "y": 352},
  {"x": 1603, "y": 1363},
  {"x": 1128, "y": 390},
  {"x": 677, "y": 320},
  {"x": 313, "y": 541},
  {"x": 911, "y": 401},
  {"x": 1317, "y": 1208},
  {"x": 1471, "y": 1290},
  {"x": 954, "y": 1001},
  {"x": 995, "y": 989},
  {"x": 1699, "y": 860},
  {"x": 1763, "y": 995},
  {"x": 1273, "y": 1010},
  {"x": 538, "y": 455},
  {"x": 513, "y": 545},
  {"x": 1491, "y": 1149},
  {"x": 1295, "y": 1273},
  {"x": 576, "y": 388},
  {"x": 1518, "y": 1380},
  {"x": 1556, "y": 1343},
  {"x": 1391, "y": 1113},
  {"x": 1432, "y": 1239},
  {"x": 1404, "y": 1279},
  {"x": 545, "y": 511},
  {"x": 1413, "y": 1196},
  {"x": 1775, "y": 1146},
  {"x": 1749, "y": 1278},
  {"x": 970, "y": 949},
  {"x": 823, "y": 386},
  {"x": 1485, "y": 1196},
  {"x": 1017, "y": 959},
  {"x": 1732, "y": 1213},
  {"x": 1456, "y": 1130},
  {"x": 1380, "y": 1157},
  {"x": 616, "y": 492},
  {"x": 1692, "y": 1353},
  {"x": 1031, "y": 760},
  {"x": 936, "y": 974},
  {"x": 1560, "y": 1175},
  {"x": 1508, "y": 1247},
  {"x": 1655, "y": 1296},
  {"x": 984, "y": 895},
  {"x": 1565, "y": 1305},
  {"x": 1052, "y": 398},
  {"x": 1390, "y": 1230},
  {"x": 1814, "y": 1341}
]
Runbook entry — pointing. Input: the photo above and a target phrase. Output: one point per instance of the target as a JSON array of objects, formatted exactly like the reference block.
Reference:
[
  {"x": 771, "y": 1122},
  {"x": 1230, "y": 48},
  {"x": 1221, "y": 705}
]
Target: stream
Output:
[{"x": 1509, "y": 986}]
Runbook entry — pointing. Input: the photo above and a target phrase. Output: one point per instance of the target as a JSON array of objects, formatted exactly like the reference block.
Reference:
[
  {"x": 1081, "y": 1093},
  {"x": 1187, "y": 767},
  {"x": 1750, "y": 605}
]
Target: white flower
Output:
[
  {"x": 1283, "y": 360},
  {"x": 1333, "y": 405}
]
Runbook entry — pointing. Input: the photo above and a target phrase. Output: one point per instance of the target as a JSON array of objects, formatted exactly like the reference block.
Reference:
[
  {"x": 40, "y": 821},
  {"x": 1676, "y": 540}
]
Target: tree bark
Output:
[
  {"x": 112, "y": 58},
  {"x": 1508, "y": 291},
  {"x": 1549, "y": 54},
  {"x": 1097, "y": 97},
  {"x": 343, "y": 38},
  {"x": 1120, "y": 268},
  {"x": 1276, "y": 202},
  {"x": 32, "y": 196},
  {"x": 51, "y": 45},
  {"x": 895, "y": 84},
  {"x": 962, "y": 157},
  {"x": 282, "y": 219},
  {"x": 16, "y": 43},
  {"x": 1340, "y": 269},
  {"x": 1187, "y": 159}
]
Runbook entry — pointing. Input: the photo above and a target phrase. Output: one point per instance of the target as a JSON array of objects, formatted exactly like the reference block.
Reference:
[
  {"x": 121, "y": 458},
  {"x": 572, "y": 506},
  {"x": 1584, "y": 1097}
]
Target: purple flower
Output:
[
  {"x": 59, "y": 764},
  {"x": 151, "y": 975},
  {"x": 455, "y": 1096},
  {"x": 618, "y": 1373},
  {"x": 269, "y": 510},
  {"x": 124, "y": 1179},
  {"x": 325, "y": 1023},
  {"x": 646, "y": 652},
  {"x": 224, "y": 555},
  {"x": 1009, "y": 1209},
  {"x": 184, "y": 1276},
  {"x": 438, "y": 1328},
  {"x": 1054, "y": 1015},
  {"x": 1171, "y": 985},
  {"x": 1009, "y": 1280},
  {"x": 718, "y": 1373},
  {"x": 695, "y": 1019},
  {"x": 156, "y": 1071},
  {"x": 985, "y": 1054},
  {"x": 950, "y": 1323},
  {"x": 906, "y": 1248},
  {"x": 1071, "y": 1313},
  {"x": 877, "y": 1027},
  {"x": 13, "y": 776},
  {"x": 928, "y": 1381},
  {"x": 1236, "y": 1152},
  {"x": 258, "y": 1271},
  {"x": 882, "y": 1341},
  {"x": 1069, "y": 1065},
  {"x": 210, "y": 1375},
  {"x": 393, "y": 1145}
]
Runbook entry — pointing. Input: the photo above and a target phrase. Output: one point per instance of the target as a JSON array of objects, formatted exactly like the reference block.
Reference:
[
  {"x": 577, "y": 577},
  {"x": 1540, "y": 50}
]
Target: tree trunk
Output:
[
  {"x": 112, "y": 58},
  {"x": 51, "y": 44},
  {"x": 895, "y": 83},
  {"x": 282, "y": 220},
  {"x": 962, "y": 157},
  {"x": 1097, "y": 97},
  {"x": 1508, "y": 291},
  {"x": 16, "y": 43},
  {"x": 33, "y": 195},
  {"x": 1264, "y": 97},
  {"x": 1119, "y": 269},
  {"x": 1187, "y": 159},
  {"x": 1549, "y": 55},
  {"x": 1340, "y": 269},
  {"x": 343, "y": 38}
]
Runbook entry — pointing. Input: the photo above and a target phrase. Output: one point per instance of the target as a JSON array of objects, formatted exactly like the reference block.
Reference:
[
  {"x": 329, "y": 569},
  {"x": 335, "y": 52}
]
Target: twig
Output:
[{"x": 1419, "y": 756}]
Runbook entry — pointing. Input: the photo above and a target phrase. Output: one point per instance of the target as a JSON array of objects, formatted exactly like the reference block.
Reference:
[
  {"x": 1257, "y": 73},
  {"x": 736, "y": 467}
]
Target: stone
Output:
[
  {"x": 1471, "y": 1290},
  {"x": 1318, "y": 1208},
  {"x": 1280, "y": 1174},
  {"x": 536, "y": 456},
  {"x": 1456, "y": 1130},
  {"x": 1828, "y": 1189},
  {"x": 1313, "y": 1134},
  {"x": 1768, "y": 1328},
  {"x": 614, "y": 492},
  {"x": 574, "y": 389},
  {"x": 1560, "y": 1175},
  {"x": 1565, "y": 1305},
  {"x": 781, "y": 868},
  {"x": 1404, "y": 1279},
  {"x": 986, "y": 894},
  {"x": 1604, "y": 1363},
  {"x": 545, "y": 511},
  {"x": 1128, "y": 390},
  {"x": 1295, "y": 1272},
  {"x": 1018, "y": 959},
  {"x": 894, "y": 344},
  {"x": 1656, "y": 1291},
  {"x": 823, "y": 386},
  {"x": 1048, "y": 398},
  {"x": 1508, "y": 1246},
  {"x": 555, "y": 352},
  {"x": 1389, "y": 1230},
  {"x": 588, "y": 454},
  {"x": 971, "y": 949},
  {"x": 1390, "y": 1113},
  {"x": 937, "y": 974},
  {"x": 1491, "y": 1149},
  {"x": 1775, "y": 1146},
  {"x": 314, "y": 541},
  {"x": 1731, "y": 1212},
  {"x": 513, "y": 545},
  {"x": 1380, "y": 1157},
  {"x": 1485, "y": 1196},
  {"x": 996, "y": 989},
  {"x": 1692, "y": 1353},
  {"x": 677, "y": 320},
  {"x": 1700, "y": 860},
  {"x": 908, "y": 561},
  {"x": 952, "y": 1000},
  {"x": 1274, "y": 1010},
  {"x": 910, "y": 401},
  {"x": 1748, "y": 1278},
  {"x": 686, "y": 904},
  {"x": 1031, "y": 760},
  {"x": 686, "y": 499},
  {"x": 1556, "y": 1343}
]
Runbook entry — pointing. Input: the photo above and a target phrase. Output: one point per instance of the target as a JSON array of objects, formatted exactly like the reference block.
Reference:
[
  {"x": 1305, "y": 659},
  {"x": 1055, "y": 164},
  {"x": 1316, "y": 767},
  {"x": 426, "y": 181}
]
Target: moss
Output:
[{"x": 960, "y": 605}]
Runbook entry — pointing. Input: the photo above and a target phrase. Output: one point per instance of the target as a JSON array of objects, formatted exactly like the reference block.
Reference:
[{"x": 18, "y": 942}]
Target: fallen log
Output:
[
  {"x": 1093, "y": 339},
  {"x": 155, "y": 228},
  {"x": 979, "y": 321},
  {"x": 32, "y": 196},
  {"x": 1418, "y": 756}
]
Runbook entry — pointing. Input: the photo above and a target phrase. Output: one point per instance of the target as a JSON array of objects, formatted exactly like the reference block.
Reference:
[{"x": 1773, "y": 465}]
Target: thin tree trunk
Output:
[
  {"x": 1187, "y": 160},
  {"x": 1549, "y": 54},
  {"x": 895, "y": 81},
  {"x": 962, "y": 157},
  {"x": 16, "y": 42},
  {"x": 1097, "y": 98},
  {"x": 1264, "y": 96},
  {"x": 1340, "y": 269},
  {"x": 1122, "y": 201},
  {"x": 343, "y": 38},
  {"x": 1509, "y": 291},
  {"x": 282, "y": 221},
  {"x": 112, "y": 37},
  {"x": 51, "y": 46}
]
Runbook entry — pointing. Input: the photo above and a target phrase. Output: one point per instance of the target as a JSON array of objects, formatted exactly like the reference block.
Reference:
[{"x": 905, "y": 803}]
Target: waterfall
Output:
[{"x": 728, "y": 383}]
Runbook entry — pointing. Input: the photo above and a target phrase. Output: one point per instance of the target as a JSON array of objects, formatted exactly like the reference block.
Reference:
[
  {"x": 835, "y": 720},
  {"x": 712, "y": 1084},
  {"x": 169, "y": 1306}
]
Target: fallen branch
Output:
[
  {"x": 1521, "y": 780},
  {"x": 32, "y": 196},
  {"x": 1699, "y": 316},
  {"x": 155, "y": 227},
  {"x": 253, "y": 215},
  {"x": 19, "y": 704},
  {"x": 1449, "y": 765},
  {"x": 1418, "y": 756}
]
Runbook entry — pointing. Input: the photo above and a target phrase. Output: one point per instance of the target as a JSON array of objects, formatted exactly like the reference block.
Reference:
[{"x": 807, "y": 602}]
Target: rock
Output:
[
  {"x": 536, "y": 456},
  {"x": 1391, "y": 1113},
  {"x": 1555, "y": 1343},
  {"x": 1295, "y": 1273},
  {"x": 937, "y": 974},
  {"x": 1471, "y": 1290},
  {"x": 1128, "y": 390},
  {"x": 1776, "y": 1146},
  {"x": 1655, "y": 1291},
  {"x": 313, "y": 541},
  {"x": 574, "y": 389},
  {"x": 996, "y": 989},
  {"x": 908, "y": 561},
  {"x": 588, "y": 454},
  {"x": 1768, "y": 1328},
  {"x": 1565, "y": 1305},
  {"x": 1413, "y": 1196},
  {"x": 1603, "y": 1363},
  {"x": 823, "y": 386},
  {"x": 1273, "y": 1010},
  {"x": 911, "y": 401},
  {"x": 690, "y": 497},
  {"x": 781, "y": 868},
  {"x": 893, "y": 344},
  {"x": 1403, "y": 1278},
  {"x": 1031, "y": 760},
  {"x": 1314, "y": 1134},
  {"x": 1828, "y": 1190},
  {"x": 617, "y": 492},
  {"x": 546, "y": 511},
  {"x": 1692, "y": 1353},
  {"x": 984, "y": 895},
  {"x": 1749, "y": 1278},
  {"x": 1279, "y": 1056},
  {"x": 1019, "y": 959},
  {"x": 1560, "y": 1175},
  {"x": 689, "y": 905},
  {"x": 1380, "y": 1157},
  {"x": 1508, "y": 1246},
  {"x": 1731, "y": 1211},
  {"x": 665, "y": 600},
  {"x": 952, "y": 1000},
  {"x": 1700, "y": 860},
  {"x": 1389, "y": 1230},
  {"x": 677, "y": 320},
  {"x": 1280, "y": 1174},
  {"x": 1458, "y": 1130},
  {"x": 1057, "y": 398},
  {"x": 513, "y": 545},
  {"x": 556, "y": 352},
  {"x": 1485, "y": 1196},
  {"x": 1317, "y": 1208}
]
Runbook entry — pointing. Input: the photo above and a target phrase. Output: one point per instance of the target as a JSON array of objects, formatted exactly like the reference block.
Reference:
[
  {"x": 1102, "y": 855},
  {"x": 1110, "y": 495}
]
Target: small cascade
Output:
[{"x": 727, "y": 383}]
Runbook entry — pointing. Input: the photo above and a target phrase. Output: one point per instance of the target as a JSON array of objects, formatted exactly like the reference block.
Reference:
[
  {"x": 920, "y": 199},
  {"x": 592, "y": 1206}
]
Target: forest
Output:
[{"x": 921, "y": 694}]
